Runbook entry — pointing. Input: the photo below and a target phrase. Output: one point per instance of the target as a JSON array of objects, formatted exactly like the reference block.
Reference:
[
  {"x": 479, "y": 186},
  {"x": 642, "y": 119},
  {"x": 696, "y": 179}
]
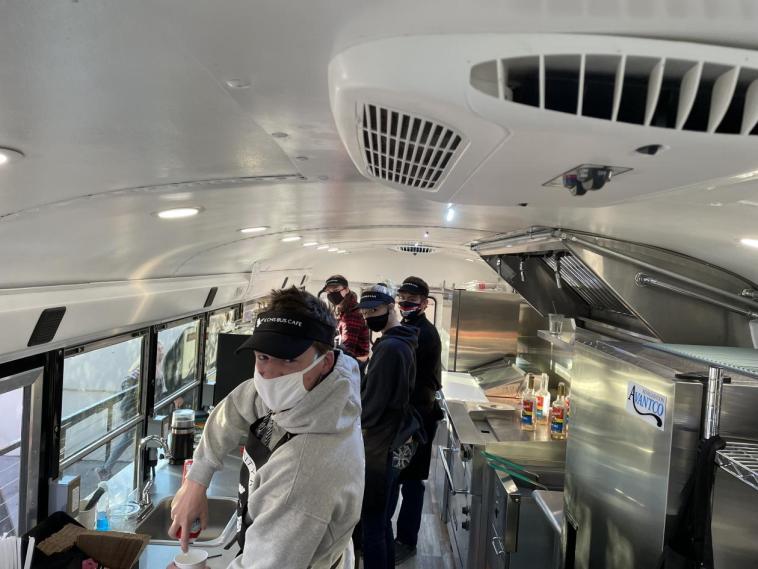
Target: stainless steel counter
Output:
[
  {"x": 167, "y": 482},
  {"x": 468, "y": 500},
  {"x": 551, "y": 504}
]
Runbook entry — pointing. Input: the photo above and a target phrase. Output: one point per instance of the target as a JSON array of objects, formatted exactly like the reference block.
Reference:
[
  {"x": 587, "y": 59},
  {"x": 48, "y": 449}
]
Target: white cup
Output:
[
  {"x": 193, "y": 559},
  {"x": 88, "y": 518}
]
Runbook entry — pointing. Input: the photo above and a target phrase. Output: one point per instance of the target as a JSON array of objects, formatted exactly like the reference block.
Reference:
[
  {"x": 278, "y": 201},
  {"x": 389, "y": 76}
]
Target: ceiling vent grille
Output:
[
  {"x": 643, "y": 90},
  {"x": 406, "y": 150},
  {"x": 414, "y": 249}
]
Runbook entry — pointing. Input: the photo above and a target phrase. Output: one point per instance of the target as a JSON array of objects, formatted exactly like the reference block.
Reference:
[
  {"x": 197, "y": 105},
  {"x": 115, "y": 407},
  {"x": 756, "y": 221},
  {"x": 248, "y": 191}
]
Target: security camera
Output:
[{"x": 587, "y": 178}]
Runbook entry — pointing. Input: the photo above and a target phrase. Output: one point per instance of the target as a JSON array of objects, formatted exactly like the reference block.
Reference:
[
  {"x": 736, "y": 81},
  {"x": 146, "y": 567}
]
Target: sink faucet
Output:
[{"x": 143, "y": 488}]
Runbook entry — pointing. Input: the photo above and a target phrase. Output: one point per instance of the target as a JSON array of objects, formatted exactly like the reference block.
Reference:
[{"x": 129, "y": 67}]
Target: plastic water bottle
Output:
[{"x": 103, "y": 520}]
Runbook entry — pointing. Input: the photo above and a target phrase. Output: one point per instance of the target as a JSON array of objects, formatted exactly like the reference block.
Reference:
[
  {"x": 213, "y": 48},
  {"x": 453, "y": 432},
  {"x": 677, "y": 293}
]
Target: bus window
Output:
[
  {"x": 20, "y": 398},
  {"x": 100, "y": 410},
  {"x": 217, "y": 322},
  {"x": 176, "y": 367}
]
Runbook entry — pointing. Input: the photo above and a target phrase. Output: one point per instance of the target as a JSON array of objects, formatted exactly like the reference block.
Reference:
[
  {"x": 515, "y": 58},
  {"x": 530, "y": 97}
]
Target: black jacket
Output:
[
  {"x": 428, "y": 365},
  {"x": 388, "y": 419},
  {"x": 389, "y": 381}
]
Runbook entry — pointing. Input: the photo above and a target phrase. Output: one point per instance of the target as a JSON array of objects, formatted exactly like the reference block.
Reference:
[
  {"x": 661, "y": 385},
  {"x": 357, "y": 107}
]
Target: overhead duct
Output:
[
  {"x": 505, "y": 119},
  {"x": 638, "y": 288}
]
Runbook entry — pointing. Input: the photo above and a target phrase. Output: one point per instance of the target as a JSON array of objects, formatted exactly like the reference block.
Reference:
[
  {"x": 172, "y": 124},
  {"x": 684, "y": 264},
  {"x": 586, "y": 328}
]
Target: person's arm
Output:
[
  {"x": 385, "y": 371},
  {"x": 226, "y": 426}
]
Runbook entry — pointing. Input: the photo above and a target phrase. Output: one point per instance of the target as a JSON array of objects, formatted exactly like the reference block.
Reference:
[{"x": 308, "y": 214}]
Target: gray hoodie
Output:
[{"x": 306, "y": 500}]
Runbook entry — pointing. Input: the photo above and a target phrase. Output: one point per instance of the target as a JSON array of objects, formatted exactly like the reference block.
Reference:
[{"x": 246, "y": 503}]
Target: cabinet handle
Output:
[{"x": 449, "y": 476}]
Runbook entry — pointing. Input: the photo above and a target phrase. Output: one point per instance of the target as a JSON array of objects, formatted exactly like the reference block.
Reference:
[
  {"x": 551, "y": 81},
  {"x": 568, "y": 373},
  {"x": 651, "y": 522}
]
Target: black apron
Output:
[{"x": 255, "y": 455}]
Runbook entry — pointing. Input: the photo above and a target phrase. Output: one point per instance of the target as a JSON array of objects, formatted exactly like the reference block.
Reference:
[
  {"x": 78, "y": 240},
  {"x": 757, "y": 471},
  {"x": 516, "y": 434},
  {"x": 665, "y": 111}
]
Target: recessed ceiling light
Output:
[
  {"x": 748, "y": 202},
  {"x": 470, "y": 260},
  {"x": 254, "y": 229},
  {"x": 291, "y": 238},
  {"x": 332, "y": 249},
  {"x": 279, "y": 134},
  {"x": 178, "y": 213},
  {"x": 310, "y": 243},
  {"x": 450, "y": 214},
  {"x": 749, "y": 242},
  {"x": 715, "y": 204},
  {"x": 341, "y": 251},
  {"x": 426, "y": 235},
  {"x": 238, "y": 83},
  {"x": 322, "y": 247},
  {"x": 9, "y": 155}
]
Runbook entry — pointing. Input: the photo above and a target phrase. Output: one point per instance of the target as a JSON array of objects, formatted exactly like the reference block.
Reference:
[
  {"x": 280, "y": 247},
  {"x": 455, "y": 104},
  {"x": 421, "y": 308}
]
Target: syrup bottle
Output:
[
  {"x": 543, "y": 401},
  {"x": 558, "y": 414},
  {"x": 528, "y": 406}
]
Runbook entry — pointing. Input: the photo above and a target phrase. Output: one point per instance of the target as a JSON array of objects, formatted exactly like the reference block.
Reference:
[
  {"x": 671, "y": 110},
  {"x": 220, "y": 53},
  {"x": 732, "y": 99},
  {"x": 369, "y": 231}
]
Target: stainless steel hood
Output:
[{"x": 642, "y": 289}]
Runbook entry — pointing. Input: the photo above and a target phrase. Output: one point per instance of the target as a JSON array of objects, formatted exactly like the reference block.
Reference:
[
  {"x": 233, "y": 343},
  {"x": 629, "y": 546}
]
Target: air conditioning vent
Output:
[
  {"x": 644, "y": 90},
  {"x": 406, "y": 150},
  {"x": 414, "y": 249}
]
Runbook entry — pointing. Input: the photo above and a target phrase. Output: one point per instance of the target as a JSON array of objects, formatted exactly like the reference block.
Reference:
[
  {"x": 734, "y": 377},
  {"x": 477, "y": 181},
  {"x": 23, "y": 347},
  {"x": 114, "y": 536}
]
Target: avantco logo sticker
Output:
[{"x": 646, "y": 405}]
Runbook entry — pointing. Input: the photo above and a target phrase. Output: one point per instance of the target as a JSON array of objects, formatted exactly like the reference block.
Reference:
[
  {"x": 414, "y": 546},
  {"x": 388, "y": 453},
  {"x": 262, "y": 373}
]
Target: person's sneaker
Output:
[{"x": 403, "y": 552}]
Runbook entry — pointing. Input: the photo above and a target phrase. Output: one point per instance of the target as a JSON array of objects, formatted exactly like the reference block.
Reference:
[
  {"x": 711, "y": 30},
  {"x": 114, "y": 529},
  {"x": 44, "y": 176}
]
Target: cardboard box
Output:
[{"x": 115, "y": 550}]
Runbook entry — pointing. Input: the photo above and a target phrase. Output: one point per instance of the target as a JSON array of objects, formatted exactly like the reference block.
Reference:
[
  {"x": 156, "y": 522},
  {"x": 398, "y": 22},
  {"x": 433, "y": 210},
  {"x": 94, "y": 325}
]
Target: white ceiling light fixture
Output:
[
  {"x": 341, "y": 251},
  {"x": 8, "y": 155},
  {"x": 332, "y": 249},
  {"x": 322, "y": 247},
  {"x": 178, "y": 213},
  {"x": 310, "y": 243},
  {"x": 254, "y": 229},
  {"x": 291, "y": 238},
  {"x": 450, "y": 215},
  {"x": 749, "y": 242}
]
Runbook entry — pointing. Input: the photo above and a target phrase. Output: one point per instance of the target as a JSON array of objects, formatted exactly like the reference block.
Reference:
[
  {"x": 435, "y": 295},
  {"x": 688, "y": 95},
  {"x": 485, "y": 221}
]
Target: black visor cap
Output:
[
  {"x": 412, "y": 287},
  {"x": 286, "y": 336}
]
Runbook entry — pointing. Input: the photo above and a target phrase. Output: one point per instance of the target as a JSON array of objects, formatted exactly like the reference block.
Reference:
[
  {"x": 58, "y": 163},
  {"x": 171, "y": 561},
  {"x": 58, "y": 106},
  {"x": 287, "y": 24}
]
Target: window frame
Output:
[
  {"x": 32, "y": 464},
  {"x": 126, "y": 427},
  {"x": 199, "y": 351}
]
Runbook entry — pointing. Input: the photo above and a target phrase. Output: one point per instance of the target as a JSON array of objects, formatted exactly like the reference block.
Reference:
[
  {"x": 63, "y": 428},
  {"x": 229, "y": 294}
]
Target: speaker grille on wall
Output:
[
  {"x": 47, "y": 326},
  {"x": 211, "y": 297}
]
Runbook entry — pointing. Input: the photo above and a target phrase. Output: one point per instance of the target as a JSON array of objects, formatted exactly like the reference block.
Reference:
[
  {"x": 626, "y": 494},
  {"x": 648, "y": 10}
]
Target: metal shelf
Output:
[{"x": 741, "y": 461}]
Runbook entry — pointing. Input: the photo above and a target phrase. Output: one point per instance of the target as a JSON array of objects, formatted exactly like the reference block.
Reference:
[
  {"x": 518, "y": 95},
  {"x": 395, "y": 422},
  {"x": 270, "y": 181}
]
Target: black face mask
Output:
[
  {"x": 377, "y": 323},
  {"x": 335, "y": 297}
]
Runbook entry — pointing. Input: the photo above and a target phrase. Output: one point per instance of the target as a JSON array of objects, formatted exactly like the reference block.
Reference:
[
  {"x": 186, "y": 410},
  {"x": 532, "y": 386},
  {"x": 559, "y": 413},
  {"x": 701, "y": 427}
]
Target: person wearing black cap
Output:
[
  {"x": 302, "y": 477},
  {"x": 351, "y": 326},
  {"x": 391, "y": 426},
  {"x": 413, "y": 298}
]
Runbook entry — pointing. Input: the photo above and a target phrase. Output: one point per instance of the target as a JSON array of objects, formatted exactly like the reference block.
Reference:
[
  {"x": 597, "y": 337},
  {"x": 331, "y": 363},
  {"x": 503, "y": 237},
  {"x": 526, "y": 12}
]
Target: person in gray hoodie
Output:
[{"x": 302, "y": 478}]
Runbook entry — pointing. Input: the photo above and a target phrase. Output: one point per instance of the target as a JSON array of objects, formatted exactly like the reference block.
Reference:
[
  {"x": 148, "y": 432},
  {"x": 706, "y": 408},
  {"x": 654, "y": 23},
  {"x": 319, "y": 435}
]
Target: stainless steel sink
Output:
[{"x": 221, "y": 523}]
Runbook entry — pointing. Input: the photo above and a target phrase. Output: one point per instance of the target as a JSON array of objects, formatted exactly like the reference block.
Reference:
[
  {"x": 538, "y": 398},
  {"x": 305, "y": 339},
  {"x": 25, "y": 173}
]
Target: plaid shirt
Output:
[{"x": 352, "y": 329}]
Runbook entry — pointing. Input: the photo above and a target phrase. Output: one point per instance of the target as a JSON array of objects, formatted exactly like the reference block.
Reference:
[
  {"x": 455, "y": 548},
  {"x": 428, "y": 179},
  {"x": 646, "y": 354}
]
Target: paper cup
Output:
[
  {"x": 87, "y": 519},
  {"x": 193, "y": 559}
]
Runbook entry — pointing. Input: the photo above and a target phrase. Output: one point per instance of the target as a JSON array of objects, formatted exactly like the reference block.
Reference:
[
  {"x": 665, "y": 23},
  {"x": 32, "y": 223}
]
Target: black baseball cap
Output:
[
  {"x": 285, "y": 335},
  {"x": 371, "y": 298},
  {"x": 335, "y": 280},
  {"x": 414, "y": 285}
]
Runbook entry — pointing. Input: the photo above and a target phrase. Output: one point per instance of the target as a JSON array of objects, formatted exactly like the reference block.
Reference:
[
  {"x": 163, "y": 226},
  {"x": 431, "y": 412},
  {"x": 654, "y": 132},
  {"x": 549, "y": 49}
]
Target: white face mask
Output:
[{"x": 283, "y": 392}]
